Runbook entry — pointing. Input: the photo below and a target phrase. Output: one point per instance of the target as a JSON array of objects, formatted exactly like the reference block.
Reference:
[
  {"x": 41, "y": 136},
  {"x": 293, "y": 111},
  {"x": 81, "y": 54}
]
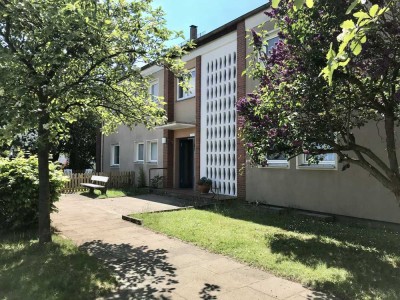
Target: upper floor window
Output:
[
  {"x": 191, "y": 92},
  {"x": 271, "y": 44},
  {"x": 154, "y": 91}
]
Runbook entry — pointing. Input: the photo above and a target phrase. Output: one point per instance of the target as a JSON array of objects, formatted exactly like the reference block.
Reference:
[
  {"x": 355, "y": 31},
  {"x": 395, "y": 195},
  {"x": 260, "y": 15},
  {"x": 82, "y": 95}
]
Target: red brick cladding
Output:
[
  {"x": 168, "y": 149},
  {"x": 241, "y": 92},
  {"x": 198, "y": 120}
]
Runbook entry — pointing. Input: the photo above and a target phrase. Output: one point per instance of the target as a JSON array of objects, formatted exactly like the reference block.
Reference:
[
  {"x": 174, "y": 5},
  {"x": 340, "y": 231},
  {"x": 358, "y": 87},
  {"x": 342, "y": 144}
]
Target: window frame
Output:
[
  {"x": 276, "y": 164},
  {"x": 148, "y": 156},
  {"x": 272, "y": 35},
  {"x": 136, "y": 152},
  {"x": 154, "y": 97},
  {"x": 112, "y": 156},
  {"x": 192, "y": 86},
  {"x": 302, "y": 163}
]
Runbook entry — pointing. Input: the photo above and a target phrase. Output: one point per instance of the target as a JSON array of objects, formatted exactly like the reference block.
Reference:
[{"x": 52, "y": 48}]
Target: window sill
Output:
[
  {"x": 140, "y": 162},
  {"x": 325, "y": 167},
  {"x": 185, "y": 98},
  {"x": 153, "y": 162},
  {"x": 114, "y": 166},
  {"x": 275, "y": 166}
]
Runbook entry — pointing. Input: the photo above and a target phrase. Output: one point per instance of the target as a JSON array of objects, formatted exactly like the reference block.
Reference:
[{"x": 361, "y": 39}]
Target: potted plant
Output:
[{"x": 204, "y": 184}]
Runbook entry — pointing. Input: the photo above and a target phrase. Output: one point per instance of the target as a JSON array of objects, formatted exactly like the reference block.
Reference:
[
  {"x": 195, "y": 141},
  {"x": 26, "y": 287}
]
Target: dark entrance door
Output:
[{"x": 186, "y": 163}]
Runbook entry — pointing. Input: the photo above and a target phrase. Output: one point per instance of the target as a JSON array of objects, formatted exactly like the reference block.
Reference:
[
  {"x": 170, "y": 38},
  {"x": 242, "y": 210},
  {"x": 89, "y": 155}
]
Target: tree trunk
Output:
[
  {"x": 398, "y": 198},
  {"x": 44, "y": 181},
  {"x": 392, "y": 154}
]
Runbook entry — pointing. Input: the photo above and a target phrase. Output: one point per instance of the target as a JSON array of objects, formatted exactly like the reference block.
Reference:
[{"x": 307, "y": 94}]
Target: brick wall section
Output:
[
  {"x": 241, "y": 92},
  {"x": 168, "y": 149},
  {"x": 198, "y": 120}
]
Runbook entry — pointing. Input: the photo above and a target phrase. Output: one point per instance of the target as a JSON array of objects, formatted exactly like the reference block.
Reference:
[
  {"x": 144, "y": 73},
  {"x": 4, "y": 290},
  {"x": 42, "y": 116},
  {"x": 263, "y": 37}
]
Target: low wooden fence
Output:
[{"x": 116, "y": 180}]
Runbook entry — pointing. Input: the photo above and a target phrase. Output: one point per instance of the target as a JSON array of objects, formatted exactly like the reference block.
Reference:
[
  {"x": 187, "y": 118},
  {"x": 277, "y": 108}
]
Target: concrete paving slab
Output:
[
  {"x": 245, "y": 293},
  {"x": 149, "y": 265},
  {"x": 278, "y": 287}
]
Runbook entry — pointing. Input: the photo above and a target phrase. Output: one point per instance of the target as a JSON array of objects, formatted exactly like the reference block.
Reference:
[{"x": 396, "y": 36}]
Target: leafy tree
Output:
[
  {"x": 63, "y": 59},
  {"x": 354, "y": 32},
  {"x": 78, "y": 142},
  {"x": 294, "y": 110},
  {"x": 81, "y": 143}
]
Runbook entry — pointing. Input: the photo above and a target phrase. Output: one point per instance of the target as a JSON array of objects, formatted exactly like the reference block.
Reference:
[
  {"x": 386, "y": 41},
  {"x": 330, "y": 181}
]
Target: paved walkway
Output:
[{"x": 153, "y": 266}]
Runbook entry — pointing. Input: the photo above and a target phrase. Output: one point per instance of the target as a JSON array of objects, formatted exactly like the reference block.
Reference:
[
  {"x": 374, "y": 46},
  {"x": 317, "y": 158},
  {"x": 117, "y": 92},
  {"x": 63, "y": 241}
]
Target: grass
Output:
[
  {"x": 114, "y": 193},
  {"x": 347, "y": 261},
  {"x": 54, "y": 271}
]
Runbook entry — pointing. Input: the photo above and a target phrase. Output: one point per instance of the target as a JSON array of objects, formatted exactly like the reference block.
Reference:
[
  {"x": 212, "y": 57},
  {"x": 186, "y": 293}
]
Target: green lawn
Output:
[
  {"x": 350, "y": 262},
  {"x": 54, "y": 271},
  {"x": 114, "y": 193}
]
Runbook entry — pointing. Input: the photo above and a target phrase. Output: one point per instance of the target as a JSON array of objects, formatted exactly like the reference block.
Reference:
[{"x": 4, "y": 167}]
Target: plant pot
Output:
[{"x": 204, "y": 189}]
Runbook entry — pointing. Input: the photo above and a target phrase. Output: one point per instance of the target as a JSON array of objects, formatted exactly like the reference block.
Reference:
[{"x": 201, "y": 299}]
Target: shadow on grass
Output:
[
  {"x": 371, "y": 272},
  {"x": 371, "y": 257},
  {"x": 142, "y": 273},
  {"x": 53, "y": 271}
]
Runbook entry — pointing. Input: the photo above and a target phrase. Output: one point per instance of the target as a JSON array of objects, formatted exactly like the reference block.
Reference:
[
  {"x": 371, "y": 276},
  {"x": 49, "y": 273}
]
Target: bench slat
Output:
[
  {"x": 96, "y": 186},
  {"x": 99, "y": 178}
]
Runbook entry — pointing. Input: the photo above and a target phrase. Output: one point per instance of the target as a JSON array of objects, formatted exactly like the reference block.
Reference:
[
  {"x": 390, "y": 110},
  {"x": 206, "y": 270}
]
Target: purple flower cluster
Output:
[
  {"x": 246, "y": 104},
  {"x": 256, "y": 39}
]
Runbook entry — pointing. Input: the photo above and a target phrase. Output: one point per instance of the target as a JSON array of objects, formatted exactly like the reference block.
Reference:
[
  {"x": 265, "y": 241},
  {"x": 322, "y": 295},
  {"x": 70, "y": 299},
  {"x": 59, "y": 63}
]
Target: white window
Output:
[
  {"x": 139, "y": 152},
  {"x": 152, "y": 151},
  {"x": 271, "y": 44},
  {"x": 325, "y": 161},
  {"x": 115, "y": 155},
  {"x": 278, "y": 160},
  {"x": 191, "y": 92},
  {"x": 154, "y": 91}
]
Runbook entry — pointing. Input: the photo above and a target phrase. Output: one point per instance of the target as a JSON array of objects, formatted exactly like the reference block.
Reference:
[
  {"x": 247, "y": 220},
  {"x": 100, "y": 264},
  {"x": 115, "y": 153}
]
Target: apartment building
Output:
[{"x": 201, "y": 138}]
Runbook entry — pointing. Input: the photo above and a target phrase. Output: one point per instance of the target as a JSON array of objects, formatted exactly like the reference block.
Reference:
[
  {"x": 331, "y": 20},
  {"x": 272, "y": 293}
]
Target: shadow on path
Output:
[
  {"x": 142, "y": 273},
  {"x": 206, "y": 291}
]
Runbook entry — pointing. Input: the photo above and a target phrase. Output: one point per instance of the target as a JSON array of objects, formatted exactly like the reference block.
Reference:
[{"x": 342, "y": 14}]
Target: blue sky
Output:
[{"x": 206, "y": 14}]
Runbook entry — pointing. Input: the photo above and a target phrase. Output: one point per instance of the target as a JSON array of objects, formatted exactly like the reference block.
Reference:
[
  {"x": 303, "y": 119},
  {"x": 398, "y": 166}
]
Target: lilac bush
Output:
[{"x": 294, "y": 110}]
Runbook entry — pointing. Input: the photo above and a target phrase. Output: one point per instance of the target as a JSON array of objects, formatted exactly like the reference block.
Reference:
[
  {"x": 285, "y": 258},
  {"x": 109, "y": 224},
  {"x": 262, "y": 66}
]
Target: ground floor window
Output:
[
  {"x": 114, "y": 155},
  {"x": 325, "y": 161},
  {"x": 278, "y": 160},
  {"x": 152, "y": 151},
  {"x": 139, "y": 152}
]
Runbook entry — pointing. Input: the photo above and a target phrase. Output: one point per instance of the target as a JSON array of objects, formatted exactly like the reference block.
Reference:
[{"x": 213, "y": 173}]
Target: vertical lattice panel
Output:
[{"x": 218, "y": 116}]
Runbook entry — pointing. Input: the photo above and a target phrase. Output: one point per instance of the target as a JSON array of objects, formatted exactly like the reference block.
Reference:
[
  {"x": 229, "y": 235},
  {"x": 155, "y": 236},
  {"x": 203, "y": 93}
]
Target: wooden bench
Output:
[{"x": 92, "y": 186}]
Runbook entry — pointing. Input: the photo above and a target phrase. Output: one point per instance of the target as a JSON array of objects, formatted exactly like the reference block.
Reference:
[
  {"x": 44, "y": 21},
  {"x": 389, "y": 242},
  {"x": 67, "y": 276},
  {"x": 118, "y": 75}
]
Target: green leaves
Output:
[
  {"x": 348, "y": 24},
  {"x": 310, "y": 3},
  {"x": 361, "y": 15},
  {"x": 275, "y": 3},
  {"x": 352, "y": 6},
  {"x": 356, "y": 47},
  {"x": 373, "y": 10},
  {"x": 70, "y": 58},
  {"x": 297, "y": 3},
  {"x": 19, "y": 191},
  {"x": 353, "y": 34}
]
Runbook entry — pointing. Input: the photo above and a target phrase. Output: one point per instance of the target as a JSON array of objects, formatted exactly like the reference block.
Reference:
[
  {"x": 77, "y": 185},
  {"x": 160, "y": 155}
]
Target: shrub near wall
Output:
[{"x": 19, "y": 191}]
